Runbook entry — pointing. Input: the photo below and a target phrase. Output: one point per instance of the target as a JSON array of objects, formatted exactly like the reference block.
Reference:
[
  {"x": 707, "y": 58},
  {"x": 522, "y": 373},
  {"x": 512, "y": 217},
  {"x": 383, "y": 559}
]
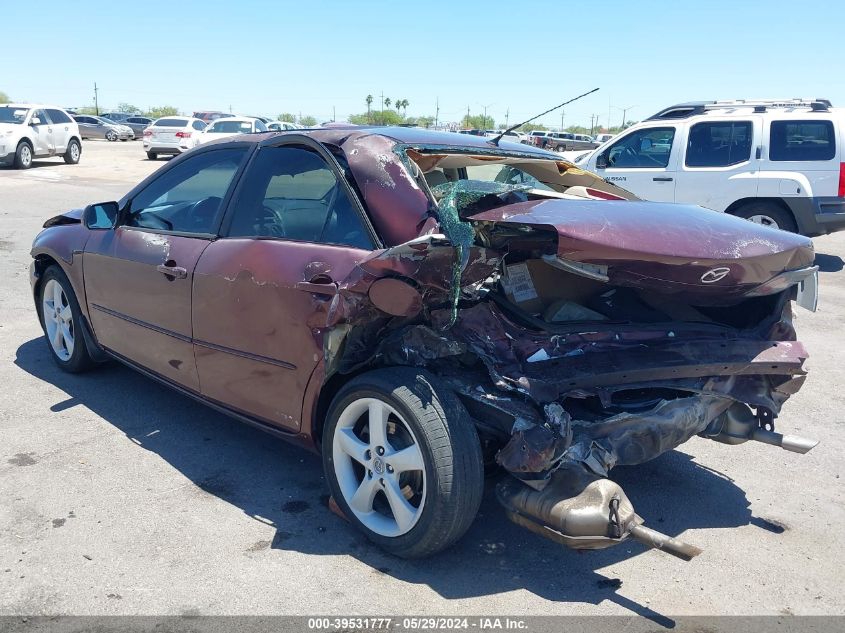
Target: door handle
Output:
[
  {"x": 320, "y": 284},
  {"x": 662, "y": 179},
  {"x": 175, "y": 272}
]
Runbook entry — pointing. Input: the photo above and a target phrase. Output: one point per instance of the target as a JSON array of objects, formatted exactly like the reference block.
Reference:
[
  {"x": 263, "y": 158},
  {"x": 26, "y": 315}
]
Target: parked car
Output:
[
  {"x": 230, "y": 126},
  {"x": 413, "y": 305},
  {"x": 138, "y": 124},
  {"x": 603, "y": 138},
  {"x": 281, "y": 126},
  {"x": 778, "y": 163},
  {"x": 566, "y": 141},
  {"x": 514, "y": 137},
  {"x": 210, "y": 115},
  {"x": 91, "y": 126},
  {"x": 172, "y": 135},
  {"x": 29, "y": 131}
]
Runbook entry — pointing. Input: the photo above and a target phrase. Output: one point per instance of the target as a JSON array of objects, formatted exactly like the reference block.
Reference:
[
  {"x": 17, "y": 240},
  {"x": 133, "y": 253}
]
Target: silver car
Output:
[
  {"x": 91, "y": 126},
  {"x": 137, "y": 123}
]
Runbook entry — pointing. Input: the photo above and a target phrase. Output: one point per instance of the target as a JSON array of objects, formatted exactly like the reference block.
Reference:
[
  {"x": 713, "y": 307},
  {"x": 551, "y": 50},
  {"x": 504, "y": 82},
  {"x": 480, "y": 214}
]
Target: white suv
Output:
[
  {"x": 779, "y": 163},
  {"x": 30, "y": 131}
]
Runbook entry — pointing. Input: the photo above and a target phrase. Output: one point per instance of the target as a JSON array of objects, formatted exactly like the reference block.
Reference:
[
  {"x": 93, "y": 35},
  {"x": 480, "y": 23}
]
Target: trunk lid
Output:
[{"x": 684, "y": 250}]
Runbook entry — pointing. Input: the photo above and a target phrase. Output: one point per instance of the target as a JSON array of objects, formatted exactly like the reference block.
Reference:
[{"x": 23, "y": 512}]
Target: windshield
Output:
[
  {"x": 12, "y": 115},
  {"x": 230, "y": 127}
]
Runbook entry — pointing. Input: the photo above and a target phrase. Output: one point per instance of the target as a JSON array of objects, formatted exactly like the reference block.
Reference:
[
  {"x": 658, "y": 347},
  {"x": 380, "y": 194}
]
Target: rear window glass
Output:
[
  {"x": 171, "y": 123},
  {"x": 802, "y": 141},
  {"x": 229, "y": 127},
  {"x": 719, "y": 144}
]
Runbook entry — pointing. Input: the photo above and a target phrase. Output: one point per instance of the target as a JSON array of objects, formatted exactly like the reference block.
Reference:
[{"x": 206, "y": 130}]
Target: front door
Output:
[
  {"x": 42, "y": 134},
  {"x": 138, "y": 277},
  {"x": 642, "y": 161},
  {"x": 262, "y": 292}
]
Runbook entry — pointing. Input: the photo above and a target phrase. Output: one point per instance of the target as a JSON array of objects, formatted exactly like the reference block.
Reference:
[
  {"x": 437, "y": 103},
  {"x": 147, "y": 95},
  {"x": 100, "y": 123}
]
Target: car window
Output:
[
  {"x": 230, "y": 127},
  {"x": 42, "y": 116},
  {"x": 171, "y": 123},
  {"x": 649, "y": 147},
  {"x": 198, "y": 125},
  {"x": 187, "y": 198},
  {"x": 802, "y": 140},
  {"x": 505, "y": 174},
  {"x": 57, "y": 116},
  {"x": 292, "y": 193},
  {"x": 260, "y": 126},
  {"x": 719, "y": 144}
]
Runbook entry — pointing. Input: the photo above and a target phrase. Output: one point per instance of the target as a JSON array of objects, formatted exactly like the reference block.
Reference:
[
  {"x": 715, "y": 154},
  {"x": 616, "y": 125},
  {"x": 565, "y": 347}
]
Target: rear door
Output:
[
  {"x": 61, "y": 125},
  {"x": 643, "y": 161},
  {"x": 262, "y": 293},
  {"x": 721, "y": 162},
  {"x": 138, "y": 277}
]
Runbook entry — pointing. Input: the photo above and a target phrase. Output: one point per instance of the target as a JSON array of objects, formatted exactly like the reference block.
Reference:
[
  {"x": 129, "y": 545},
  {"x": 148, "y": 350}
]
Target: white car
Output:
[
  {"x": 603, "y": 138},
  {"x": 30, "y": 131},
  {"x": 780, "y": 163},
  {"x": 172, "y": 135},
  {"x": 281, "y": 126},
  {"x": 232, "y": 126}
]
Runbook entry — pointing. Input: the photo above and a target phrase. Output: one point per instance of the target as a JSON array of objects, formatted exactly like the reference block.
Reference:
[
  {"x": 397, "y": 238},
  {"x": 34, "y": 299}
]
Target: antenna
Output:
[{"x": 496, "y": 140}]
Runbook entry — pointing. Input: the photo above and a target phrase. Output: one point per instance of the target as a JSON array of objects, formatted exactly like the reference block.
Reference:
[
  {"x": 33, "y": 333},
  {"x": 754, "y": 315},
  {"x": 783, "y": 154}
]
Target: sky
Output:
[{"x": 515, "y": 58}]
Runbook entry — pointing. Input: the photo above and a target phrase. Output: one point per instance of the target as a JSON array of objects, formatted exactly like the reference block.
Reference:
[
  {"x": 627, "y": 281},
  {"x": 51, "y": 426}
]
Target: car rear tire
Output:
[
  {"x": 61, "y": 320},
  {"x": 152, "y": 155},
  {"x": 73, "y": 152},
  {"x": 111, "y": 136},
  {"x": 23, "y": 155},
  {"x": 403, "y": 461},
  {"x": 768, "y": 214}
]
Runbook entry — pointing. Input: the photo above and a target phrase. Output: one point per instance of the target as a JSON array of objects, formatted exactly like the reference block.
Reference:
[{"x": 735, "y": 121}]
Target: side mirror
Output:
[
  {"x": 100, "y": 216},
  {"x": 35, "y": 121},
  {"x": 601, "y": 161}
]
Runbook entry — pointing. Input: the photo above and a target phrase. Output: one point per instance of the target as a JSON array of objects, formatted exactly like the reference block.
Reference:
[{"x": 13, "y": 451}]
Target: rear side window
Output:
[
  {"x": 171, "y": 123},
  {"x": 291, "y": 193},
  {"x": 802, "y": 141},
  {"x": 719, "y": 144},
  {"x": 57, "y": 116},
  {"x": 198, "y": 125}
]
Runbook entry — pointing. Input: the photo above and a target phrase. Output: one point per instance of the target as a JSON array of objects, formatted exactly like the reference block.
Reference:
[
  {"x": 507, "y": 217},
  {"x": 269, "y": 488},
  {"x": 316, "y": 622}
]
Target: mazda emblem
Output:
[{"x": 714, "y": 274}]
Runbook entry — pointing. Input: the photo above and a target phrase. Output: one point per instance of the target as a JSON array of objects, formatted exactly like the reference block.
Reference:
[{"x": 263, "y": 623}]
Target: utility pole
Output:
[
  {"x": 562, "y": 113},
  {"x": 333, "y": 115},
  {"x": 96, "y": 102},
  {"x": 624, "y": 112},
  {"x": 467, "y": 116},
  {"x": 436, "y": 111},
  {"x": 507, "y": 114}
]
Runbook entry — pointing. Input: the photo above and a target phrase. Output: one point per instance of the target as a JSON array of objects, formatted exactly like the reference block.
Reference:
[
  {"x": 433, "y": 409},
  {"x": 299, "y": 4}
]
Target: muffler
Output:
[
  {"x": 592, "y": 516},
  {"x": 739, "y": 424}
]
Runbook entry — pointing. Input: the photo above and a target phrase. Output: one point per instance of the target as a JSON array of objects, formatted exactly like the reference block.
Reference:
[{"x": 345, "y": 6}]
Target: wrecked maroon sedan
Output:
[{"x": 417, "y": 306}]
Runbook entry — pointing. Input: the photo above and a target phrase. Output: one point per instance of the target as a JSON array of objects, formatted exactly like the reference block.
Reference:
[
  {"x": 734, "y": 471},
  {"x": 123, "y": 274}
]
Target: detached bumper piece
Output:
[{"x": 594, "y": 516}]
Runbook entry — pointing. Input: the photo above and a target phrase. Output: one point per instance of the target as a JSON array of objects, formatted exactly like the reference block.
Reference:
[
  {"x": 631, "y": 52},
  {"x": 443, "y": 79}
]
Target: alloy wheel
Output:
[
  {"x": 379, "y": 467},
  {"x": 765, "y": 220},
  {"x": 26, "y": 155},
  {"x": 58, "y": 320}
]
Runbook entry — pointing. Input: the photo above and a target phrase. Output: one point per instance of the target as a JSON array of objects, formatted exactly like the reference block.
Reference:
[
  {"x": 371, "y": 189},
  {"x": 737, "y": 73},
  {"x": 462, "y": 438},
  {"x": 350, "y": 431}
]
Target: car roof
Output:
[{"x": 30, "y": 106}]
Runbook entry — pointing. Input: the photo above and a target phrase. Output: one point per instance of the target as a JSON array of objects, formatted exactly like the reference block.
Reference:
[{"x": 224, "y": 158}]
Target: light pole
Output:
[
  {"x": 624, "y": 112},
  {"x": 485, "y": 111}
]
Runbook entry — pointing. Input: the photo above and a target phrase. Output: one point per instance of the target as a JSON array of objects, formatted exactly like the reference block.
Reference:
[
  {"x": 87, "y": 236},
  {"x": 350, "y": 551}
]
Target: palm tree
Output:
[
  {"x": 403, "y": 103},
  {"x": 369, "y": 101},
  {"x": 387, "y": 102}
]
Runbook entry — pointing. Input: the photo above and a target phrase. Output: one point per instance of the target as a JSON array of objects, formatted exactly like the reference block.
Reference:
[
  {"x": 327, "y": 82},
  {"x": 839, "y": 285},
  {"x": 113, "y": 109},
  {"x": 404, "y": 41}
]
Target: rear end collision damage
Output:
[{"x": 578, "y": 331}]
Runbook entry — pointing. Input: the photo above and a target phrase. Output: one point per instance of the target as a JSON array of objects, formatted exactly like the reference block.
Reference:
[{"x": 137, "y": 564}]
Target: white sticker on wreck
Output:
[{"x": 519, "y": 282}]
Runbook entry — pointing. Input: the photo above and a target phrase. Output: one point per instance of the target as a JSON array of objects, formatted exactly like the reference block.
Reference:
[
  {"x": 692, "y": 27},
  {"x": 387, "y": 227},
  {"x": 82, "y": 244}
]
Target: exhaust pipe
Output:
[
  {"x": 738, "y": 425},
  {"x": 592, "y": 516}
]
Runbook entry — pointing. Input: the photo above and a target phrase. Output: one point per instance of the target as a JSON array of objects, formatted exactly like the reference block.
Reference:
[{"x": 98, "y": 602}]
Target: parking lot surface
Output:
[{"x": 120, "y": 496}]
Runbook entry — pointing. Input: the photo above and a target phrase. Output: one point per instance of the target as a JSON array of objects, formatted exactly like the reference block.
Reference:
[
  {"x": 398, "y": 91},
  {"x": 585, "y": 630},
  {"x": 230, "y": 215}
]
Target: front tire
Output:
[
  {"x": 61, "y": 320},
  {"x": 73, "y": 152},
  {"x": 23, "y": 155},
  {"x": 152, "y": 155},
  {"x": 767, "y": 214},
  {"x": 111, "y": 136},
  {"x": 403, "y": 461}
]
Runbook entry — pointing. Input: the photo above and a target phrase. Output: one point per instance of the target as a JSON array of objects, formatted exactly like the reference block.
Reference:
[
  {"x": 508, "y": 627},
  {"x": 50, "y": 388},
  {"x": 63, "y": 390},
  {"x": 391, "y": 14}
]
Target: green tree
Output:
[
  {"x": 387, "y": 102},
  {"x": 287, "y": 117},
  {"x": 162, "y": 111},
  {"x": 128, "y": 108},
  {"x": 307, "y": 121},
  {"x": 527, "y": 127},
  {"x": 86, "y": 110},
  {"x": 403, "y": 105},
  {"x": 478, "y": 122},
  {"x": 369, "y": 101},
  {"x": 4, "y": 98}
]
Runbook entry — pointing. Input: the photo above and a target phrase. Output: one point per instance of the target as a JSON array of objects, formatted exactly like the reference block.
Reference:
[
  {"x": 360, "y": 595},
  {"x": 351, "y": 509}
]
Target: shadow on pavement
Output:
[
  {"x": 829, "y": 263},
  {"x": 284, "y": 485}
]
